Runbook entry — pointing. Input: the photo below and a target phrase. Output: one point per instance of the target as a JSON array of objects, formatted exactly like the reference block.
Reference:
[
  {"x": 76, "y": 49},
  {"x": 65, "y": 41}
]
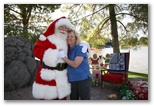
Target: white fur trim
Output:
[
  {"x": 84, "y": 47},
  {"x": 63, "y": 86},
  {"x": 47, "y": 74},
  {"x": 60, "y": 43},
  {"x": 88, "y": 47},
  {"x": 40, "y": 91},
  {"x": 42, "y": 38},
  {"x": 50, "y": 57},
  {"x": 63, "y": 21}
]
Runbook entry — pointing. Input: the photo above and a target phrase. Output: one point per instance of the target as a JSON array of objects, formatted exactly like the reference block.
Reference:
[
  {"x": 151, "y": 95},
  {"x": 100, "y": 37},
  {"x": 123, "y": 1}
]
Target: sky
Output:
[
  {"x": 58, "y": 14},
  {"x": 74, "y": 103}
]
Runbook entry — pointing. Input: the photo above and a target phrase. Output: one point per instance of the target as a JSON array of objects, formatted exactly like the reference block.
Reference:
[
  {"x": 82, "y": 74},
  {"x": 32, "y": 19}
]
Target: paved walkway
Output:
[{"x": 97, "y": 93}]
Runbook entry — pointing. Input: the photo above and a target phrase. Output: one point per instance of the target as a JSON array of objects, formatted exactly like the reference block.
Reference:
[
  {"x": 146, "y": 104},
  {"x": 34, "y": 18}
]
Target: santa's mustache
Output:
[{"x": 63, "y": 32}]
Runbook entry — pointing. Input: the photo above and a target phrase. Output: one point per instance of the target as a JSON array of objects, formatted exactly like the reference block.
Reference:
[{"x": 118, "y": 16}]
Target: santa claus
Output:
[{"x": 51, "y": 77}]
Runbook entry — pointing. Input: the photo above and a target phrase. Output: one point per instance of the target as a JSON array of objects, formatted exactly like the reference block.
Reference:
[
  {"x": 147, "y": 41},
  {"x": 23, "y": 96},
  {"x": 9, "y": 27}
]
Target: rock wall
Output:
[{"x": 19, "y": 63}]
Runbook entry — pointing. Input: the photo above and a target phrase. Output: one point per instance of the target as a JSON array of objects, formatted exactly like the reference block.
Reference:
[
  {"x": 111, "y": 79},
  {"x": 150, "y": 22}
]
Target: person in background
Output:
[{"x": 78, "y": 68}]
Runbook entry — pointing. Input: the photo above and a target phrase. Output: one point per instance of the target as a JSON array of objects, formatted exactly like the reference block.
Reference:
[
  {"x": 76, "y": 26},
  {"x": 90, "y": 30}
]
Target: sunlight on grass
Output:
[{"x": 137, "y": 75}]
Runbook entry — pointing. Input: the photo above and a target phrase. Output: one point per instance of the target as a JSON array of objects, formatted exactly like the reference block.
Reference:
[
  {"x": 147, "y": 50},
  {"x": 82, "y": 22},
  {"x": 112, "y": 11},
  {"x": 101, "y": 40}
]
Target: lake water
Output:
[{"x": 138, "y": 58}]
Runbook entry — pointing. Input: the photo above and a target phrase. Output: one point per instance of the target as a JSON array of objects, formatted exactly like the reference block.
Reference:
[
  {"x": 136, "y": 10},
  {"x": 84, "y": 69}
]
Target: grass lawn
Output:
[
  {"x": 137, "y": 75},
  {"x": 134, "y": 75}
]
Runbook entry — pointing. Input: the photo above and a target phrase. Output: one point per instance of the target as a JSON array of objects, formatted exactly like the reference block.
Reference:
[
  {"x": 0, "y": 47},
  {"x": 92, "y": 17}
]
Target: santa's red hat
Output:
[{"x": 54, "y": 25}]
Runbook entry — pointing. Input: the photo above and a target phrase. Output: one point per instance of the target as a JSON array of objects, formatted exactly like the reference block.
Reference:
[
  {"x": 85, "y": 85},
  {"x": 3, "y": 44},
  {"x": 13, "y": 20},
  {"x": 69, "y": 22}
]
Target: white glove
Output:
[
  {"x": 84, "y": 48},
  {"x": 61, "y": 54}
]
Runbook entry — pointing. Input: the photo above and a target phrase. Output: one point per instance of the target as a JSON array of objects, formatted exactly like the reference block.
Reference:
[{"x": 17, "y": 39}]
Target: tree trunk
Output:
[
  {"x": 114, "y": 31},
  {"x": 25, "y": 14}
]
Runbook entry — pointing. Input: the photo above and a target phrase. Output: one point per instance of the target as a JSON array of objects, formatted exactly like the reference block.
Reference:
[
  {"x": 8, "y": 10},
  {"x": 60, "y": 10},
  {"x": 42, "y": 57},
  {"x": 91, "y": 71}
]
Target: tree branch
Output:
[
  {"x": 98, "y": 30},
  {"x": 126, "y": 14},
  {"x": 122, "y": 25},
  {"x": 102, "y": 25},
  {"x": 79, "y": 9},
  {"x": 90, "y": 14},
  {"x": 14, "y": 11}
]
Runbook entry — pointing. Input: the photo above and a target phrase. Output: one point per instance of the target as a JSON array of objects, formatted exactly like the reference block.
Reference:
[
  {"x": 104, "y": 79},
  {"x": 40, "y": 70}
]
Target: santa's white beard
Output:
[{"x": 61, "y": 34}]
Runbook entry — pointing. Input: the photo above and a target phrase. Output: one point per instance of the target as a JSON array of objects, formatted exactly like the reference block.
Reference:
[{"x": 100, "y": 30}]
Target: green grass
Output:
[
  {"x": 134, "y": 75},
  {"x": 137, "y": 75}
]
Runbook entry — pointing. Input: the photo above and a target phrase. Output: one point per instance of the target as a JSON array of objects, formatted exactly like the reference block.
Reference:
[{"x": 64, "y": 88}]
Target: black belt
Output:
[{"x": 59, "y": 67}]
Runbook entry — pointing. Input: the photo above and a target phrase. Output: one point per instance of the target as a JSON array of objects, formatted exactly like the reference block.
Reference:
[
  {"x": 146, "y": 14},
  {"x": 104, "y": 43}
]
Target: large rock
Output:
[
  {"x": 19, "y": 63},
  {"x": 16, "y": 76}
]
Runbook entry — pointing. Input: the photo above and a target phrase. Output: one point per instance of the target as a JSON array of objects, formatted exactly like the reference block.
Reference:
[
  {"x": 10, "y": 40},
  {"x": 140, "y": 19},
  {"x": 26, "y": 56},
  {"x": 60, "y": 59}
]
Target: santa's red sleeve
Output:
[
  {"x": 47, "y": 52},
  {"x": 39, "y": 49}
]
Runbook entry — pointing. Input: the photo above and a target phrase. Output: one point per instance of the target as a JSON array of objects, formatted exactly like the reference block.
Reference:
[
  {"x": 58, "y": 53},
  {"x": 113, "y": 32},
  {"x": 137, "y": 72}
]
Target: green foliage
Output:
[
  {"x": 93, "y": 20},
  {"x": 27, "y": 20},
  {"x": 82, "y": 16},
  {"x": 129, "y": 42},
  {"x": 140, "y": 16},
  {"x": 33, "y": 38},
  {"x": 95, "y": 40},
  {"x": 143, "y": 41},
  {"x": 12, "y": 30},
  {"x": 133, "y": 41}
]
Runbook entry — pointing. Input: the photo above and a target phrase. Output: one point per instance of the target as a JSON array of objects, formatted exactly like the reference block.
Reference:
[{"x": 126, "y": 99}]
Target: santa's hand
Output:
[
  {"x": 61, "y": 54},
  {"x": 84, "y": 48}
]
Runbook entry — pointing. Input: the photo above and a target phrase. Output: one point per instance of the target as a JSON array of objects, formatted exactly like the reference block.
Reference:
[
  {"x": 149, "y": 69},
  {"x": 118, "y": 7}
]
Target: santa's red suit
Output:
[{"x": 51, "y": 77}]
